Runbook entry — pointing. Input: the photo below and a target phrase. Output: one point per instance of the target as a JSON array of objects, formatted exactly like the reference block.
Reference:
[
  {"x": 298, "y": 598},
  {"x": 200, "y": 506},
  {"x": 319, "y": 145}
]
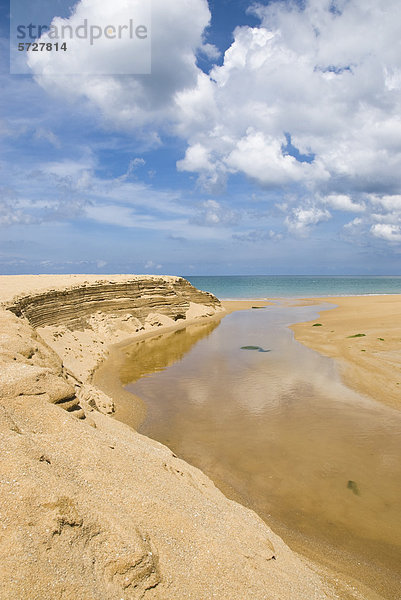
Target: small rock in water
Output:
[
  {"x": 352, "y": 485},
  {"x": 258, "y": 348}
]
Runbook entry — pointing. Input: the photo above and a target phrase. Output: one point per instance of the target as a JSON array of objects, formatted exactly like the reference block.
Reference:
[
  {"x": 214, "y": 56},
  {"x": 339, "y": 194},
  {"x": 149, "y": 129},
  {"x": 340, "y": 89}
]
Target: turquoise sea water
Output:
[{"x": 262, "y": 286}]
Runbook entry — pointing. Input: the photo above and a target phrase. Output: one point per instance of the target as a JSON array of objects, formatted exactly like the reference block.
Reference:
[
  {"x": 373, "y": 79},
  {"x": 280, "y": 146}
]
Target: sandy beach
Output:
[
  {"x": 55, "y": 332},
  {"x": 231, "y": 430},
  {"x": 89, "y": 507},
  {"x": 363, "y": 334}
]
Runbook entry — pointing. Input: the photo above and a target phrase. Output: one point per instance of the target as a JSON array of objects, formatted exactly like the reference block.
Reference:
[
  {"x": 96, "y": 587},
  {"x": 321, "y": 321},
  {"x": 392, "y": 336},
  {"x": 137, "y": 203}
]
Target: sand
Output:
[
  {"x": 91, "y": 509},
  {"x": 88, "y": 507},
  {"x": 17, "y": 285},
  {"x": 234, "y": 305},
  {"x": 363, "y": 334}
]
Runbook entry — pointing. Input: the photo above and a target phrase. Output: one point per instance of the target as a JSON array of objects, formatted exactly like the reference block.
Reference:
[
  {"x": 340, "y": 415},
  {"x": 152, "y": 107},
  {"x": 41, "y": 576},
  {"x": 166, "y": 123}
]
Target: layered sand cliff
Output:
[{"x": 91, "y": 509}]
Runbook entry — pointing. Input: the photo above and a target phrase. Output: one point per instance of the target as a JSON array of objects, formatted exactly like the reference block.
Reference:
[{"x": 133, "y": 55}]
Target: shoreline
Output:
[
  {"x": 106, "y": 375},
  {"x": 362, "y": 334},
  {"x": 99, "y": 433},
  {"x": 320, "y": 297},
  {"x": 174, "y": 534},
  {"x": 109, "y": 372}
]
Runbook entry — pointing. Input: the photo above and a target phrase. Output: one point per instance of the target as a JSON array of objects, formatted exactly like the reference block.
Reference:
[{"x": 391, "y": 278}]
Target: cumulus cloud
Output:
[
  {"x": 288, "y": 78},
  {"x": 354, "y": 225},
  {"x": 301, "y": 219},
  {"x": 387, "y": 203},
  {"x": 385, "y": 231},
  {"x": 262, "y": 158},
  {"x": 380, "y": 220},
  {"x": 343, "y": 202},
  {"x": 210, "y": 51},
  {"x": 130, "y": 101},
  {"x": 339, "y": 103},
  {"x": 291, "y": 75}
]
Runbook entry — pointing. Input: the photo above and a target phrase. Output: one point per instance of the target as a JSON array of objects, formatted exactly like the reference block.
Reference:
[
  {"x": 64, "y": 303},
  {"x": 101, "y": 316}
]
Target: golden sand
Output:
[
  {"x": 90, "y": 508},
  {"x": 363, "y": 333}
]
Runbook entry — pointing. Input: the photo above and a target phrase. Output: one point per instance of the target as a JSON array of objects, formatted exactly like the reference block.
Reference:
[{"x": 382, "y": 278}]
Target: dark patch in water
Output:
[
  {"x": 352, "y": 485},
  {"x": 258, "y": 348}
]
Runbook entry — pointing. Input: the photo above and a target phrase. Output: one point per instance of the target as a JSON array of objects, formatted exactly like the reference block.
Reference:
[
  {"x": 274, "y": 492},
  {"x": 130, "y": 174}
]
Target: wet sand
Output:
[
  {"x": 291, "y": 442},
  {"x": 363, "y": 334}
]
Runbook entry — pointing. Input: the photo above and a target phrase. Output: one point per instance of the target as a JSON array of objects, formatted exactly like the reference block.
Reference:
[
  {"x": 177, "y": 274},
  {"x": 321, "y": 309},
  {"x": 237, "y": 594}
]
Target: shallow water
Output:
[
  {"x": 279, "y": 432},
  {"x": 294, "y": 286}
]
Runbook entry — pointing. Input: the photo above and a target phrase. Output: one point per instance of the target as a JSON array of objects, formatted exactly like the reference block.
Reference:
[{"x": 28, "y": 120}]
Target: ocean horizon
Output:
[{"x": 227, "y": 287}]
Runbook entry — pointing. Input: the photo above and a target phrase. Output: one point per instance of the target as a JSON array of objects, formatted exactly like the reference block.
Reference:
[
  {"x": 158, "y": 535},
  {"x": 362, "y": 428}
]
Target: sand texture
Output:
[
  {"x": 89, "y": 508},
  {"x": 80, "y": 316},
  {"x": 364, "y": 335}
]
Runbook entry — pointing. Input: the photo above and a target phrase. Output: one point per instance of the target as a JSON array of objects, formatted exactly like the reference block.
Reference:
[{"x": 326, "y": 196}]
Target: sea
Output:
[{"x": 229, "y": 287}]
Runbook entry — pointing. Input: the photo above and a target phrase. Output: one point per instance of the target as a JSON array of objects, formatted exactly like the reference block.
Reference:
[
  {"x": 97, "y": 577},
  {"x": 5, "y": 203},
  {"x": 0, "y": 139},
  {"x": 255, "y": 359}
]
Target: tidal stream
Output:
[{"x": 278, "y": 431}]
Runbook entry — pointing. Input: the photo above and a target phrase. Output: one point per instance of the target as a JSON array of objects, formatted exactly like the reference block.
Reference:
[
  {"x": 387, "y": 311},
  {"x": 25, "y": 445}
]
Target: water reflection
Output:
[
  {"x": 279, "y": 432},
  {"x": 155, "y": 354}
]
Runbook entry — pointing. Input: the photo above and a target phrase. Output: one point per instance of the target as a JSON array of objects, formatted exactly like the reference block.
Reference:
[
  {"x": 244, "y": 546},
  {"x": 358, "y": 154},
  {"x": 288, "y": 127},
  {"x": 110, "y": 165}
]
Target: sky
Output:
[{"x": 265, "y": 140}]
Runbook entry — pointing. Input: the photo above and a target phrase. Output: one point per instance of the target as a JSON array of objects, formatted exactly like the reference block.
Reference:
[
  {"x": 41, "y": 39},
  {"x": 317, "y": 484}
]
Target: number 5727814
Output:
[{"x": 41, "y": 47}]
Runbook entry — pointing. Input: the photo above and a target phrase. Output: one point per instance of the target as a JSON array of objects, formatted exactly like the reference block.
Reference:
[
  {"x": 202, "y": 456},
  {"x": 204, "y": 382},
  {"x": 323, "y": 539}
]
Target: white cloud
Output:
[
  {"x": 382, "y": 219},
  {"x": 197, "y": 158},
  {"x": 133, "y": 166},
  {"x": 68, "y": 167},
  {"x": 211, "y": 51},
  {"x": 387, "y": 203},
  {"x": 130, "y": 101},
  {"x": 262, "y": 158},
  {"x": 328, "y": 78},
  {"x": 301, "y": 219},
  {"x": 388, "y": 232},
  {"x": 354, "y": 224},
  {"x": 336, "y": 100},
  {"x": 71, "y": 191},
  {"x": 98, "y": 40},
  {"x": 343, "y": 202}
]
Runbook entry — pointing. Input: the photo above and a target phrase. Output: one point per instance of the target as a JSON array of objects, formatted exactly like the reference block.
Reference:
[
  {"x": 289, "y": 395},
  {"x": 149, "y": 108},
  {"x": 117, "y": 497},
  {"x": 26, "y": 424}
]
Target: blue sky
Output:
[{"x": 267, "y": 140}]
